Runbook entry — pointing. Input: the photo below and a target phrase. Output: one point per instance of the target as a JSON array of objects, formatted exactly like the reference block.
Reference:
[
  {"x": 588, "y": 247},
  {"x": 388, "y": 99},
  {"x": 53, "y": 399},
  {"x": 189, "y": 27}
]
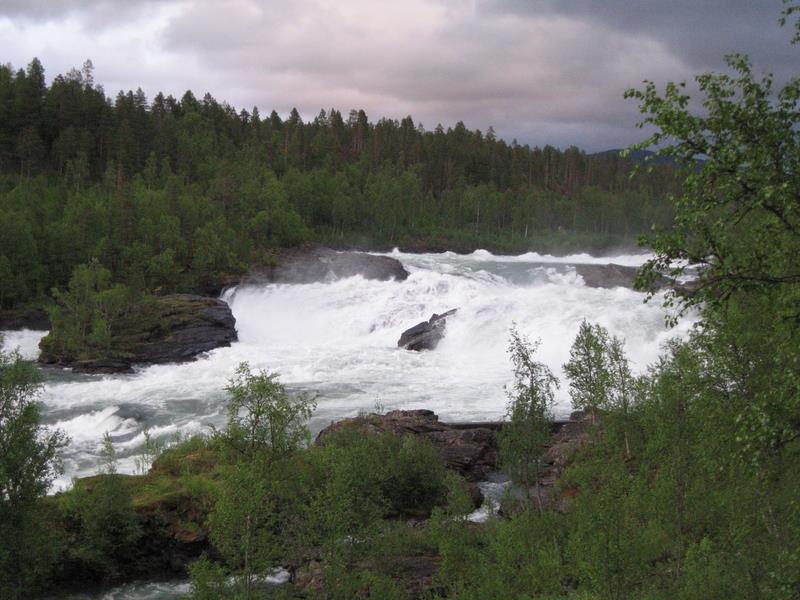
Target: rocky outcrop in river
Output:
[
  {"x": 318, "y": 264},
  {"x": 607, "y": 276},
  {"x": 470, "y": 449},
  {"x": 613, "y": 275},
  {"x": 425, "y": 335},
  {"x": 174, "y": 328}
]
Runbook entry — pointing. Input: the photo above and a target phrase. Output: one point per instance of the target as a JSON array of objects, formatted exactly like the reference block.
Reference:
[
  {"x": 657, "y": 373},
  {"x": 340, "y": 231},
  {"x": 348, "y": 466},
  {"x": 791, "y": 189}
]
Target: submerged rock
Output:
[
  {"x": 425, "y": 335},
  {"x": 469, "y": 449},
  {"x": 174, "y": 328},
  {"x": 318, "y": 264}
]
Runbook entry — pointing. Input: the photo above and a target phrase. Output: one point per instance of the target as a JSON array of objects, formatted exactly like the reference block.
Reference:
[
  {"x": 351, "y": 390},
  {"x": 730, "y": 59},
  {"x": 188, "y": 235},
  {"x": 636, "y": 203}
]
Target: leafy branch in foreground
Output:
[{"x": 738, "y": 218}]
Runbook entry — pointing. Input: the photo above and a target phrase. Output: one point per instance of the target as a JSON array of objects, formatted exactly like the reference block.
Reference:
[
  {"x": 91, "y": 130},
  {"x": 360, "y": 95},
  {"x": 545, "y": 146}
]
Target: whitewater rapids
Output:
[{"x": 338, "y": 339}]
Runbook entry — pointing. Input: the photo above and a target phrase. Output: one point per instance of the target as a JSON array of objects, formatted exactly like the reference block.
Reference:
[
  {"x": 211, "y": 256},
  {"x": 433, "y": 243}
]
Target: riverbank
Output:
[{"x": 172, "y": 502}]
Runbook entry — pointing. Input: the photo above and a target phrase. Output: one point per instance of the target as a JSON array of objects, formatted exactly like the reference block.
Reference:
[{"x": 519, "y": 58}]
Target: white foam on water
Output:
[
  {"x": 84, "y": 427},
  {"x": 25, "y": 341},
  {"x": 340, "y": 339},
  {"x": 630, "y": 260}
]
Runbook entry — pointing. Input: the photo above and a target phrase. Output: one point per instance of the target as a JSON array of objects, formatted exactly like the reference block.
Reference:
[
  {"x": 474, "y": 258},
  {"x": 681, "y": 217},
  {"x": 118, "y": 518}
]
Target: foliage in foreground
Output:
[{"x": 28, "y": 465}]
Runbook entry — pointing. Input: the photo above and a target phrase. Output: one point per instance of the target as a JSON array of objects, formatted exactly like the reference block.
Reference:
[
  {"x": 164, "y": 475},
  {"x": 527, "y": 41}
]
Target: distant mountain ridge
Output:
[{"x": 640, "y": 156}]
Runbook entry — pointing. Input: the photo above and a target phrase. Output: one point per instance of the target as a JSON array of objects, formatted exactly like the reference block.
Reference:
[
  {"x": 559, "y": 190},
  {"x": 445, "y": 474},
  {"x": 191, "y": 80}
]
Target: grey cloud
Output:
[
  {"x": 700, "y": 32},
  {"x": 540, "y": 71},
  {"x": 93, "y": 13},
  {"x": 528, "y": 79}
]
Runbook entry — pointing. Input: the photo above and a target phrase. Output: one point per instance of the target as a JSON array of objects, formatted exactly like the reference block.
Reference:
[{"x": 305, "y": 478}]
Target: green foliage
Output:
[
  {"x": 29, "y": 461},
  {"x": 85, "y": 313},
  {"x": 243, "y": 524},
  {"x": 453, "y": 539},
  {"x": 738, "y": 216},
  {"x": 381, "y": 475},
  {"x": 99, "y": 513},
  {"x": 530, "y": 399},
  {"x": 209, "y": 580},
  {"x": 738, "y": 225},
  {"x": 517, "y": 558},
  {"x": 151, "y": 450},
  {"x": 182, "y": 194},
  {"x": 588, "y": 369},
  {"x": 263, "y": 416},
  {"x": 108, "y": 456},
  {"x": 600, "y": 379}
]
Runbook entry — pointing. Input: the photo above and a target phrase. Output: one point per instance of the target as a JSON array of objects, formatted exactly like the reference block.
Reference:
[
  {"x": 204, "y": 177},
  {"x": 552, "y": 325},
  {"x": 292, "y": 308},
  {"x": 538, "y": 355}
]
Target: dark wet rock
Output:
[
  {"x": 470, "y": 451},
  {"x": 102, "y": 365},
  {"x": 185, "y": 326},
  {"x": 16, "y": 319},
  {"x": 425, "y": 335},
  {"x": 475, "y": 495},
  {"x": 607, "y": 276},
  {"x": 318, "y": 264},
  {"x": 399, "y": 422},
  {"x": 174, "y": 328},
  {"x": 418, "y": 573},
  {"x": 613, "y": 275}
]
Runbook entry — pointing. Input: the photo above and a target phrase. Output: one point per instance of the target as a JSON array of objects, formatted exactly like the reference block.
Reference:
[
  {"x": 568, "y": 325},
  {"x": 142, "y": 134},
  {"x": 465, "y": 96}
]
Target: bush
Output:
[
  {"x": 404, "y": 475},
  {"x": 263, "y": 416}
]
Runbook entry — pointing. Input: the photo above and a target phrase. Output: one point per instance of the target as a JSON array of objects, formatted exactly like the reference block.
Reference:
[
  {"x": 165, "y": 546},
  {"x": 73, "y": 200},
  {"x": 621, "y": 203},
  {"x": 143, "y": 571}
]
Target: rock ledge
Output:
[{"x": 174, "y": 328}]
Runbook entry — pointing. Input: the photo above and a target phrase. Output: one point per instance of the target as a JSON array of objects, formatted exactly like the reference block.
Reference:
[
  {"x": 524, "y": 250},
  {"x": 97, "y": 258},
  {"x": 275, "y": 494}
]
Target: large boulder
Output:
[
  {"x": 174, "y": 328},
  {"x": 471, "y": 450},
  {"x": 607, "y": 276},
  {"x": 318, "y": 264},
  {"x": 425, "y": 335},
  {"x": 613, "y": 275},
  {"x": 184, "y": 326}
]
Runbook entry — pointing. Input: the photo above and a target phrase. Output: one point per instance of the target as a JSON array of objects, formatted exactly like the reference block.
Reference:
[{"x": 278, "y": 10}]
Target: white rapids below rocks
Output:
[{"x": 338, "y": 339}]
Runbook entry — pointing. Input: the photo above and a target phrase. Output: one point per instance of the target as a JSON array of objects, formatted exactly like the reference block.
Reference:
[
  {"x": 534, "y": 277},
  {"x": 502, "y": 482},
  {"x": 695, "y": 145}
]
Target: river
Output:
[{"x": 338, "y": 339}]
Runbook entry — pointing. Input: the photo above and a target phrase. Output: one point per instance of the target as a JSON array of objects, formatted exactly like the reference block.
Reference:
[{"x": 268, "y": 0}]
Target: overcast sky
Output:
[{"x": 540, "y": 71}]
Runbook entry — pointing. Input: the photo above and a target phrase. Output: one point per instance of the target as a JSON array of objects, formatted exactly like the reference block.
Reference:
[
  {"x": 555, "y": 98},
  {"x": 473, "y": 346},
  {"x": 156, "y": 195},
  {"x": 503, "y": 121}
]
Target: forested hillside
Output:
[{"x": 169, "y": 194}]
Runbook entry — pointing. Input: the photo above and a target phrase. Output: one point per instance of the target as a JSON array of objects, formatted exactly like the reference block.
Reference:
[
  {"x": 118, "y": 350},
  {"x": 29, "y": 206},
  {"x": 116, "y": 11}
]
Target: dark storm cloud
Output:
[
  {"x": 43, "y": 10},
  {"x": 549, "y": 80},
  {"x": 701, "y": 32},
  {"x": 93, "y": 14},
  {"x": 540, "y": 71}
]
